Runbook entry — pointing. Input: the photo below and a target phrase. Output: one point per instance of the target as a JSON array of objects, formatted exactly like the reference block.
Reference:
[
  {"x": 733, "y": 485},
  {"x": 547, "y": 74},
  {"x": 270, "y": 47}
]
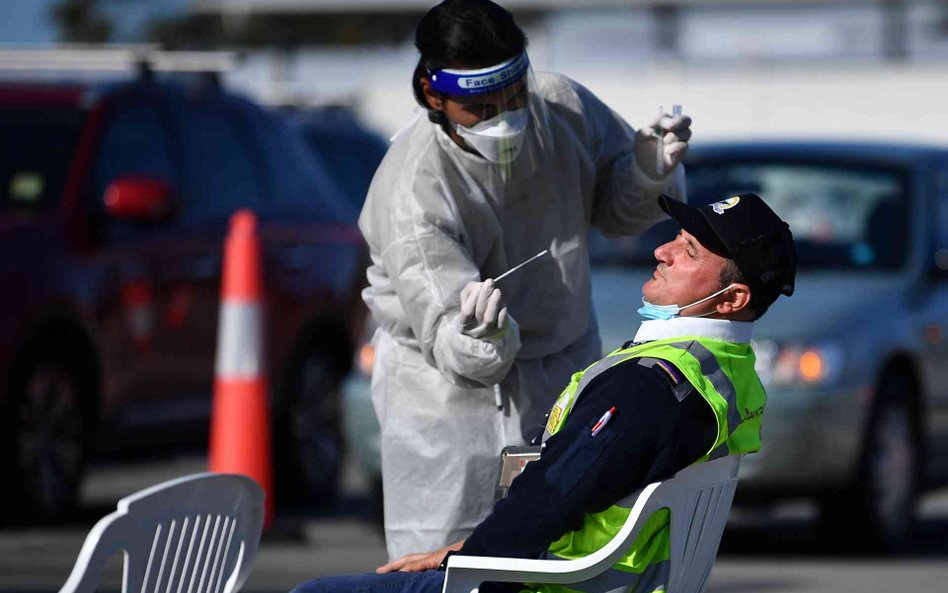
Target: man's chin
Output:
[{"x": 648, "y": 290}]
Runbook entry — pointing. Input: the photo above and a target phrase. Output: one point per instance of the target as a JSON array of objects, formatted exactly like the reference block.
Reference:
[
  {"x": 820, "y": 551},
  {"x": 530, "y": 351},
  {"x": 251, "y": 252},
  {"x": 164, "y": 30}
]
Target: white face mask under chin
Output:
[
  {"x": 665, "y": 312},
  {"x": 500, "y": 138}
]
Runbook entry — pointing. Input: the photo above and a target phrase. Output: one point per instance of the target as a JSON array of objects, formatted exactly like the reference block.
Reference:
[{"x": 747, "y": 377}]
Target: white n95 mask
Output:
[
  {"x": 500, "y": 138},
  {"x": 650, "y": 311}
]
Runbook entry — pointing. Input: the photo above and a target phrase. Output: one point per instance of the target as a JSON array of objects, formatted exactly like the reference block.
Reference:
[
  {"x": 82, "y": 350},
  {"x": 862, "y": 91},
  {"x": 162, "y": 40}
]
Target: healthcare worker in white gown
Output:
[{"x": 503, "y": 165}]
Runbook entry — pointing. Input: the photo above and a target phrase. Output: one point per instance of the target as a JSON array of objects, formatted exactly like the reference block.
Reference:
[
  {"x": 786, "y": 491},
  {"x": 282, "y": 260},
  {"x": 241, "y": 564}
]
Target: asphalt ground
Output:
[{"x": 784, "y": 553}]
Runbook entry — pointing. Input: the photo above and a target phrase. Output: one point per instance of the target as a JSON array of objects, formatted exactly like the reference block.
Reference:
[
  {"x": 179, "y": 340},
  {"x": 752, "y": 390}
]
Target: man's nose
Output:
[{"x": 663, "y": 253}]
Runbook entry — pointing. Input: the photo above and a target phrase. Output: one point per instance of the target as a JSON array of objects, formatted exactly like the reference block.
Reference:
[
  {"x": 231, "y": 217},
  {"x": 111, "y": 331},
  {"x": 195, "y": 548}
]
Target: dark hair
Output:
[
  {"x": 731, "y": 274},
  {"x": 464, "y": 34}
]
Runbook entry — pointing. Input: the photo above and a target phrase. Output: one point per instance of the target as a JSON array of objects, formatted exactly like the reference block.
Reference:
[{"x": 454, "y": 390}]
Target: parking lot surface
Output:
[{"x": 760, "y": 555}]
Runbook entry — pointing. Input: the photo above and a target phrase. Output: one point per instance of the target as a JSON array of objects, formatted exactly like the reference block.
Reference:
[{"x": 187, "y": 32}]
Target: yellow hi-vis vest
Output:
[{"x": 723, "y": 373}]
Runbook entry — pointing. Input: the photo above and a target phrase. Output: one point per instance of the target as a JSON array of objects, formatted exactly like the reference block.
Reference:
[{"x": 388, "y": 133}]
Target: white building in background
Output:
[{"x": 836, "y": 68}]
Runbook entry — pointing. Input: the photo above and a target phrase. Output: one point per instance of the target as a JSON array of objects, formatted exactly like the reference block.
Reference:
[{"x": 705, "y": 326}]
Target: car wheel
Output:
[
  {"x": 878, "y": 511},
  {"x": 308, "y": 439},
  {"x": 890, "y": 469},
  {"x": 46, "y": 425}
]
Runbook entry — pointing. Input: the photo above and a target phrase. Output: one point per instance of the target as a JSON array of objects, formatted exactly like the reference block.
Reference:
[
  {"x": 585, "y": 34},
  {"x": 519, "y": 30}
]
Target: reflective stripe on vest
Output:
[
  {"x": 712, "y": 370},
  {"x": 723, "y": 373},
  {"x": 722, "y": 384},
  {"x": 578, "y": 382}
]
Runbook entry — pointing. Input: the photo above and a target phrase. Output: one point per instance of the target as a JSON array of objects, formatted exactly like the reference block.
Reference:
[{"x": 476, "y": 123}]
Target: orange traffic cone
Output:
[{"x": 240, "y": 418}]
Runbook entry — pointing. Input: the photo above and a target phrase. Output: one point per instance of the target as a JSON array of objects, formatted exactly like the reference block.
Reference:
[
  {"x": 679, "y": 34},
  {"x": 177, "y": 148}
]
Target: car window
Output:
[
  {"x": 842, "y": 216},
  {"x": 222, "y": 170},
  {"x": 302, "y": 185},
  {"x": 134, "y": 141},
  {"x": 35, "y": 156},
  {"x": 941, "y": 221},
  {"x": 352, "y": 157}
]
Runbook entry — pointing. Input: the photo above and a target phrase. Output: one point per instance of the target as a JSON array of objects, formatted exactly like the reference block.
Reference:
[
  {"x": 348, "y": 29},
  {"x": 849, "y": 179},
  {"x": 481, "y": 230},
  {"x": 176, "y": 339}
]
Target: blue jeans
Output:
[{"x": 429, "y": 581}]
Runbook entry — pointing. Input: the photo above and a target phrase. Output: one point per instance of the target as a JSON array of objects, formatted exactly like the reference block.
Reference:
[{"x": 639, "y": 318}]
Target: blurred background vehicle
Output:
[
  {"x": 115, "y": 202},
  {"x": 854, "y": 363},
  {"x": 349, "y": 150},
  {"x": 822, "y": 69}
]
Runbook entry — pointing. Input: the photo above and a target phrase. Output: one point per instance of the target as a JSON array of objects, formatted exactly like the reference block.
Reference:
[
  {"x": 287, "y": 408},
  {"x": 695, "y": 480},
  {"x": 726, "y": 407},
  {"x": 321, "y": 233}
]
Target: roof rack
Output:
[{"x": 113, "y": 58}]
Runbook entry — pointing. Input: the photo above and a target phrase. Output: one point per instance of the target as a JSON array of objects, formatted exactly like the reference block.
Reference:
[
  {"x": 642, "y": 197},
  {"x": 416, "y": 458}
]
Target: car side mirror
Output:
[{"x": 138, "y": 198}]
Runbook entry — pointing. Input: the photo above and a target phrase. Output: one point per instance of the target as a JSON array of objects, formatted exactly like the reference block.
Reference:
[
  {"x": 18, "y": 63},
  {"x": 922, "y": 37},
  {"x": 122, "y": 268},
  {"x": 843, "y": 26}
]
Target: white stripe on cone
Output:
[{"x": 240, "y": 341}]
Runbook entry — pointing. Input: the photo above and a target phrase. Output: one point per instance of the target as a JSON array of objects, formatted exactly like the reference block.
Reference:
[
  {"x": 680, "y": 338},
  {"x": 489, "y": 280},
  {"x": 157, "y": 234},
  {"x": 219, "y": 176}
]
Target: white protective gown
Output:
[{"x": 435, "y": 220}]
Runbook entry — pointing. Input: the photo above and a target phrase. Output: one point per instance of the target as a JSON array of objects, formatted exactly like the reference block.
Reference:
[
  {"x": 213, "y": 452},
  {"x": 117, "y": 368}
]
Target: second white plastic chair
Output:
[
  {"x": 699, "y": 498},
  {"x": 196, "y": 534}
]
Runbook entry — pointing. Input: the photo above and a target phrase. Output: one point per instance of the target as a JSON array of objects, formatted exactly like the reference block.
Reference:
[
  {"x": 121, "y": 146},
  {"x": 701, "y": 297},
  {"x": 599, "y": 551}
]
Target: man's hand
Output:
[{"x": 419, "y": 562}]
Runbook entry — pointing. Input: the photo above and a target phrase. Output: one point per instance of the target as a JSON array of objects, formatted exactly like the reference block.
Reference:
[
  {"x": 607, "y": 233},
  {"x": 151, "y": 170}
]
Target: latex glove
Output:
[
  {"x": 676, "y": 131},
  {"x": 483, "y": 313}
]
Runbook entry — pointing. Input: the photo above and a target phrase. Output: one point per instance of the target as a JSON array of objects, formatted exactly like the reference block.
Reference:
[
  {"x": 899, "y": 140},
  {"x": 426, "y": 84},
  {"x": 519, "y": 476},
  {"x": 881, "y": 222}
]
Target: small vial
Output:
[
  {"x": 660, "y": 145},
  {"x": 660, "y": 133}
]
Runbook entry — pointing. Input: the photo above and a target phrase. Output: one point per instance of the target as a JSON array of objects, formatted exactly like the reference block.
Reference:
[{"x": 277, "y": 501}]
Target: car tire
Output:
[
  {"x": 877, "y": 512},
  {"x": 47, "y": 424},
  {"x": 308, "y": 432}
]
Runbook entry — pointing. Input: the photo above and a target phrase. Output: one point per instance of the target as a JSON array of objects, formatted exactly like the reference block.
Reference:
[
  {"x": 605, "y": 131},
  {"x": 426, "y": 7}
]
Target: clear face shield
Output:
[{"x": 497, "y": 113}]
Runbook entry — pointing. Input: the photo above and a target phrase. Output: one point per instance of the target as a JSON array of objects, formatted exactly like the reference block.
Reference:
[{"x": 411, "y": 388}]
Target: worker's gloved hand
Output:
[
  {"x": 673, "y": 132},
  {"x": 483, "y": 313}
]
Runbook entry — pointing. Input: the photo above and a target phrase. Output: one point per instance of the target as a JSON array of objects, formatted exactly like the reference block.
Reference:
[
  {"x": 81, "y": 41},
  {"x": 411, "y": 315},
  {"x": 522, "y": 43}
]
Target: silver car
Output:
[{"x": 856, "y": 362}]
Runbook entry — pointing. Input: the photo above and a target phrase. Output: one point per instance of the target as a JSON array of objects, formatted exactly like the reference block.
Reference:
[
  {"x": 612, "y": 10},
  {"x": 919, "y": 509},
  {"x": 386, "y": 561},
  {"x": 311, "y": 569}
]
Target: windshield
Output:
[
  {"x": 352, "y": 155},
  {"x": 37, "y": 149},
  {"x": 841, "y": 216}
]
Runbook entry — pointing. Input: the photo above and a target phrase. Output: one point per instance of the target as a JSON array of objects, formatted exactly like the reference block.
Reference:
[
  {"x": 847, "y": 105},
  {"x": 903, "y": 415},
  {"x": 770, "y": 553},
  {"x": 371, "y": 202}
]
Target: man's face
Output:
[{"x": 686, "y": 272}]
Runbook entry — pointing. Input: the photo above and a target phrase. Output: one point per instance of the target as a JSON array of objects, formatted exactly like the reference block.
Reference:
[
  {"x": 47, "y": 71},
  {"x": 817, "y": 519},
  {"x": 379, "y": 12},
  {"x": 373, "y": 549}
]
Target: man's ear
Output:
[
  {"x": 432, "y": 96},
  {"x": 736, "y": 300}
]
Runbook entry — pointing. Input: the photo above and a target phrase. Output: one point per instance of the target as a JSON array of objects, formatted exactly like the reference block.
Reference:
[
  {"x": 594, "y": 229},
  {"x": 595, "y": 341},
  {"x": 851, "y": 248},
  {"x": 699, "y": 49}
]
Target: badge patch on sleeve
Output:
[
  {"x": 554, "y": 420},
  {"x": 673, "y": 374}
]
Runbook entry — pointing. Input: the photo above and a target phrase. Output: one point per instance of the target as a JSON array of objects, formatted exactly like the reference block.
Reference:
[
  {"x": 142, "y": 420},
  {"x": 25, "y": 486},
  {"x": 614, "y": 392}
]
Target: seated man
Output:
[{"x": 683, "y": 391}]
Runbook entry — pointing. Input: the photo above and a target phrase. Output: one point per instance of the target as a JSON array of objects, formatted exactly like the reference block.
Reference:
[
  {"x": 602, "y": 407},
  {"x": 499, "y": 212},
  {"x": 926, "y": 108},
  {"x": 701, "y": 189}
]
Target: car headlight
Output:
[
  {"x": 797, "y": 364},
  {"x": 366, "y": 358}
]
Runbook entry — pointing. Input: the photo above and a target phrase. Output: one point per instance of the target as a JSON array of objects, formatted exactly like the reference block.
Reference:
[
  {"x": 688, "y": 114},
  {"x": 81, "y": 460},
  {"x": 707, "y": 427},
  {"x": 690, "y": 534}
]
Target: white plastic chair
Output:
[
  {"x": 195, "y": 534},
  {"x": 699, "y": 498}
]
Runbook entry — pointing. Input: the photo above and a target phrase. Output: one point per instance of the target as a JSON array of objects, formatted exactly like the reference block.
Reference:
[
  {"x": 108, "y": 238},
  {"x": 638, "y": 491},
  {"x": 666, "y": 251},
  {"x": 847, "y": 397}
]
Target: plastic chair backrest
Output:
[
  {"x": 699, "y": 498},
  {"x": 195, "y": 534}
]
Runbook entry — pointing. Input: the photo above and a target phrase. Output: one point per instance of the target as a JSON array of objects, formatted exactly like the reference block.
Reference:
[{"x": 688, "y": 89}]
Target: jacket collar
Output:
[{"x": 712, "y": 329}]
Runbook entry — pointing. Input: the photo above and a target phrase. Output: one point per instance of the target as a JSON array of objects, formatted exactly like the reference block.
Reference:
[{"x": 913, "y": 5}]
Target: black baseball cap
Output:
[{"x": 744, "y": 229}]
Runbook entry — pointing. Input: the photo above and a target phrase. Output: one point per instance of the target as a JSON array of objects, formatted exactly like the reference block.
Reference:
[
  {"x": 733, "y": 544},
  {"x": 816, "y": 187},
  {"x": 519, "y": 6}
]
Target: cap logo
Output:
[{"x": 720, "y": 207}]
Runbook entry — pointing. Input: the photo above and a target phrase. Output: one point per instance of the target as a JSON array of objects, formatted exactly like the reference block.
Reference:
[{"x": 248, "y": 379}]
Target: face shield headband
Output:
[
  {"x": 477, "y": 82},
  {"x": 506, "y": 125}
]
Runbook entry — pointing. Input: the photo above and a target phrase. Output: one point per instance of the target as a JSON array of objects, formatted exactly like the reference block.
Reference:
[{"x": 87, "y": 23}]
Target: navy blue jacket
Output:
[{"x": 651, "y": 436}]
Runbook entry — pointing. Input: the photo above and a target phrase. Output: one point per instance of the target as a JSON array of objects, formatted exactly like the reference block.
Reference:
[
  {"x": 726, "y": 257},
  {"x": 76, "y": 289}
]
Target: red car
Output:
[{"x": 113, "y": 209}]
